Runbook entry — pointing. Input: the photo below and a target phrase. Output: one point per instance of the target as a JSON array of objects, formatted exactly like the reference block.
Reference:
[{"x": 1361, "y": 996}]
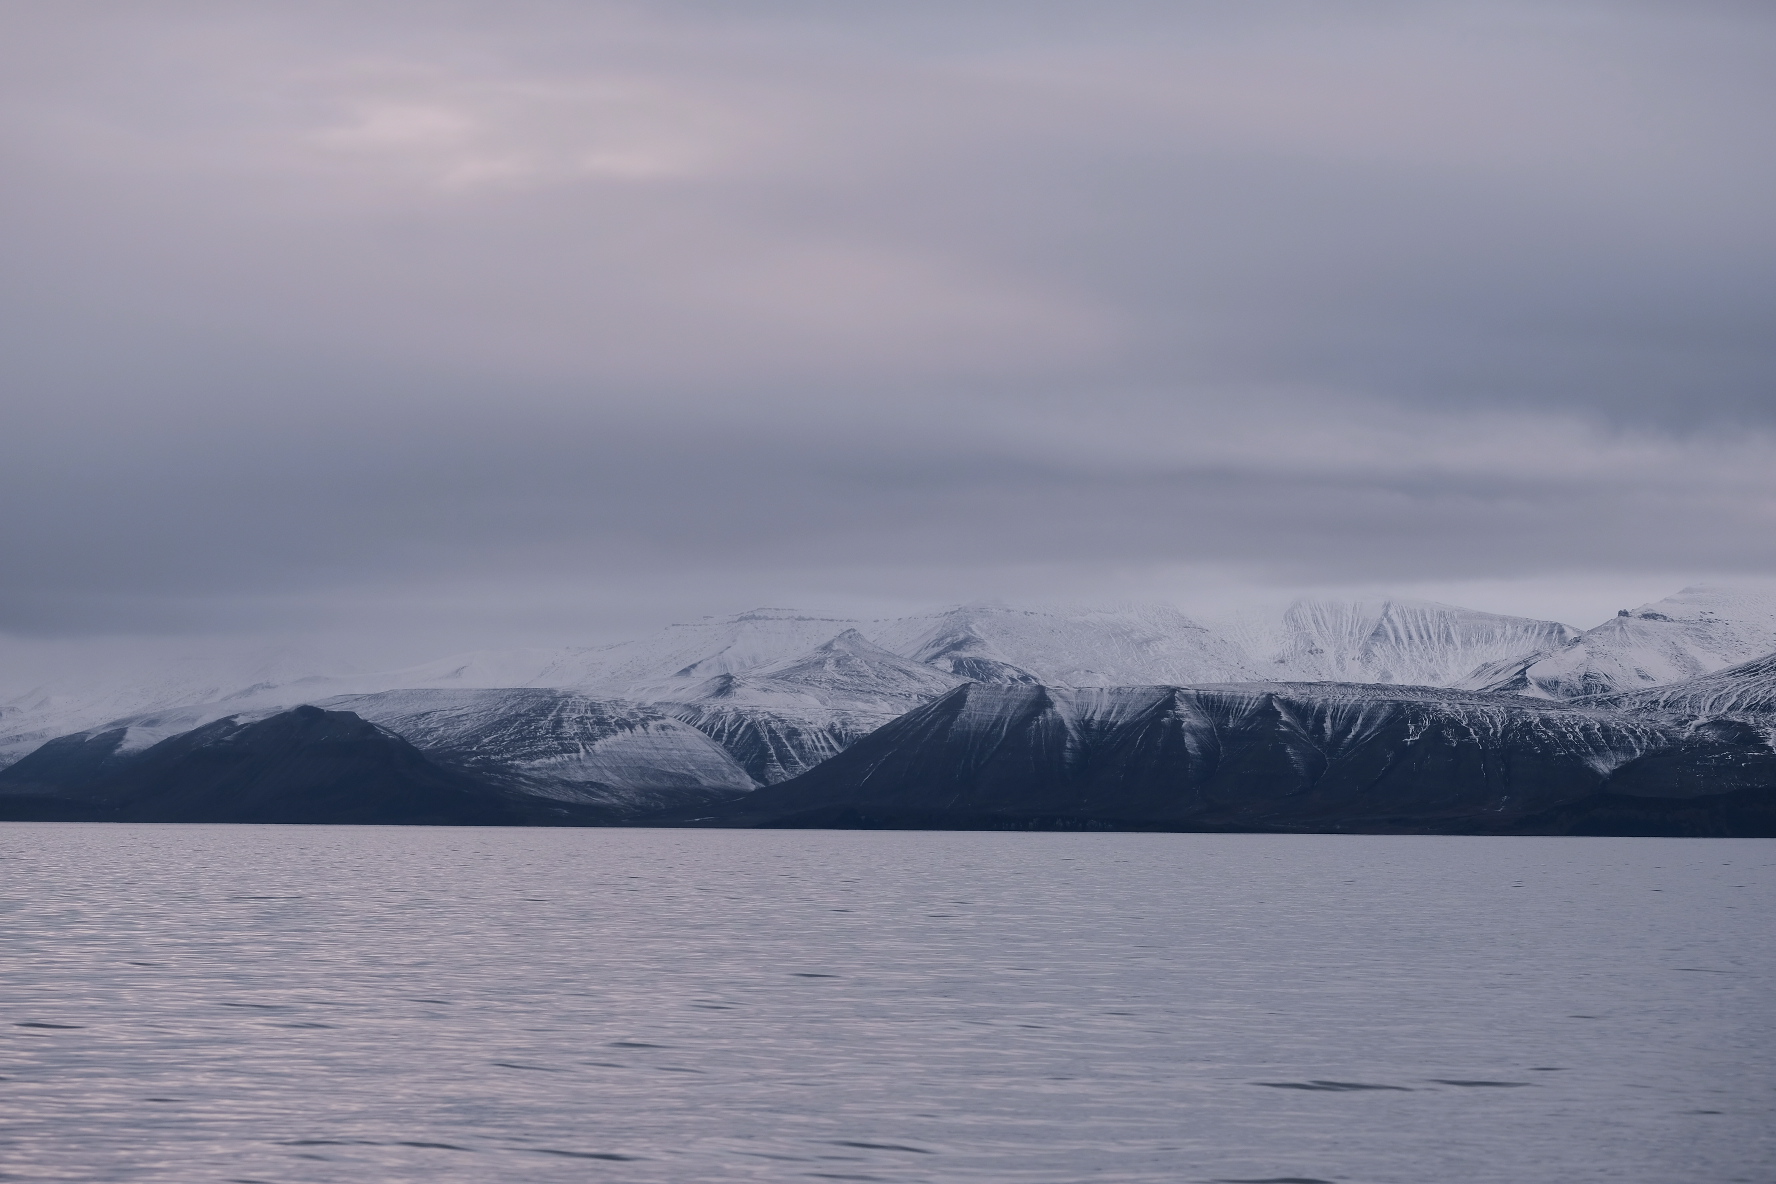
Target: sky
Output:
[{"x": 426, "y": 327}]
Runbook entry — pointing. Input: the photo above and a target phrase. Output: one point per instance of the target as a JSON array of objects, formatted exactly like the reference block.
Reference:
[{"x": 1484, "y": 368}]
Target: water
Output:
[{"x": 190, "y": 1003}]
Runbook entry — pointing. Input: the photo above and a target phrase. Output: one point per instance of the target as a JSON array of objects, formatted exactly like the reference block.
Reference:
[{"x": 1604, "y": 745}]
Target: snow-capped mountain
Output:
[
  {"x": 1064, "y": 646},
  {"x": 783, "y": 718},
  {"x": 675, "y": 656},
  {"x": 779, "y": 687},
  {"x": 1302, "y": 756},
  {"x": 1131, "y": 645},
  {"x": 724, "y": 705},
  {"x": 44, "y": 694},
  {"x": 1696, "y": 632},
  {"x": 1401, "y": 642},
  {"x": 780, "y": 718},
  {"x": 546, "y": 743}
]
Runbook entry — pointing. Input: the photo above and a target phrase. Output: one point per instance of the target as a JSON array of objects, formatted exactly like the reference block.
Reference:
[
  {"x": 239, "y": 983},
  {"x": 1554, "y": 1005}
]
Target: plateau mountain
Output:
[{"x": 1399, "y": 642}]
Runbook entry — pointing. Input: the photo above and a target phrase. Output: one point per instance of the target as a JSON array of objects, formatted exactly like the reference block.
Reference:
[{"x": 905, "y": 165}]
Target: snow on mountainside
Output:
[
  {"x": 1290, "y": 756},
  {"x": 36, "y": 707},
  {"x": 663, "y": 665},
  {"x": 1067, "y": 646},
  {"x": 1696, "y": 632},
  {"x": 783, "y": 718},
  {"x": 1745, "y": 692},
  {"x": 1401, "y": 642},
  {"x": 304, "y": 765},
  {"x": 679, "y": 657},
  {"x": 38, "y": 703},
  {"x": 148, "y": 728},
  {"x": 773, "y": 746},
  {"x": 557, "y": 745},
  {"x": 1060, "y": 646},
  {"x": 847, "y": 673},
  {"x": 1070, "y": 646},
  {"x": 781, "y": 690},
  {"x": 1091, "y": 647}
]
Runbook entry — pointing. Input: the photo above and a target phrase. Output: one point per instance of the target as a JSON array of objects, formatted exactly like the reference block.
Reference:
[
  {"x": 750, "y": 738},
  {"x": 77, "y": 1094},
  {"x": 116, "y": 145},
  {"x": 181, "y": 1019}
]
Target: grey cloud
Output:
[{"x": 311, "y": 308}]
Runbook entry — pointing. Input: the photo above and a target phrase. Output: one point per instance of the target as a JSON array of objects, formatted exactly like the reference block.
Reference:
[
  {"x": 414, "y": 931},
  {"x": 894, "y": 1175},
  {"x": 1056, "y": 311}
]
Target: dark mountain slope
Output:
[
  {"x": 303, "y": 765},
  {"x": 68, "y": 762},
  {"x": 1321, "y": 757}
]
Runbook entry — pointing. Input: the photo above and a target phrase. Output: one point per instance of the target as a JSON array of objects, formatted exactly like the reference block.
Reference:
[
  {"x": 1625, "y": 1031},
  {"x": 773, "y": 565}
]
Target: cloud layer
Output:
[{"x": 558, "y": 318}]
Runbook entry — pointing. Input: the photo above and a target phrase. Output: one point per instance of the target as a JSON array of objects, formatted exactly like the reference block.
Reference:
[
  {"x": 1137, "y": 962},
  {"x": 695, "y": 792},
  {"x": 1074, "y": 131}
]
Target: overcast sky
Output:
[{"x": 453, "y": 324}]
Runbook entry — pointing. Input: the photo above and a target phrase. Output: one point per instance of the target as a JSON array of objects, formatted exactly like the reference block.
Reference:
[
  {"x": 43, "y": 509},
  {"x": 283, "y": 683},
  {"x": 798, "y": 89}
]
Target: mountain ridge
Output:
[
  {"x": 1696, "y": 631},
  {"x": 1056, "y": 645},
  {"x": 1271, "y": 756},
  {"x": 735, "y": 706}
]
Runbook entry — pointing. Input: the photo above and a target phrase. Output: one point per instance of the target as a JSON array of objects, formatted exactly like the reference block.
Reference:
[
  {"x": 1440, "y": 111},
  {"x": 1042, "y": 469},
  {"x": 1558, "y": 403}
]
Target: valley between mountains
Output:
[{"x": 1363, "y": 716}]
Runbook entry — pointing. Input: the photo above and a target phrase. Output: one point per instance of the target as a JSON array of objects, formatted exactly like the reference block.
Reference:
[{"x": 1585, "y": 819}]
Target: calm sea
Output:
[{"x": 366, "y": 1004}]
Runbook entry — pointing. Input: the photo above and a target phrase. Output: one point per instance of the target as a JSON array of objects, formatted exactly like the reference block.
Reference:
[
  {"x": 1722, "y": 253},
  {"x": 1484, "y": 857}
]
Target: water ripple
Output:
[{"x": 308, "y": 1005}]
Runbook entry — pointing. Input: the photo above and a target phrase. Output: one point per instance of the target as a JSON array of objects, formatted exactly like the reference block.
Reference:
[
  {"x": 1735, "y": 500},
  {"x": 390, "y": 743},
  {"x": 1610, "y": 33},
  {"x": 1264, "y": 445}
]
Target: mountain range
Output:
[
  {"x": 1285, "y": 757},
  {"x": 1329, "y": 715}
]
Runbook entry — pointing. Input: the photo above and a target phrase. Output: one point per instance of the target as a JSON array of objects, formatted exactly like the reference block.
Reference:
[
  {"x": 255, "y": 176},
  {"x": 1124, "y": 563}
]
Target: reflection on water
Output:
[{"x": 290, "y": 1004}]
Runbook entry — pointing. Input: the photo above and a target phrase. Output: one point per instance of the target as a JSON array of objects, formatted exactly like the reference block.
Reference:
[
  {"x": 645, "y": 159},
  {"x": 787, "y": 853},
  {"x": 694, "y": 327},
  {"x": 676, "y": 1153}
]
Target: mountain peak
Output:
[
  {"x": 1685, "y": 636},
  {"x": 852, "y": 642}
]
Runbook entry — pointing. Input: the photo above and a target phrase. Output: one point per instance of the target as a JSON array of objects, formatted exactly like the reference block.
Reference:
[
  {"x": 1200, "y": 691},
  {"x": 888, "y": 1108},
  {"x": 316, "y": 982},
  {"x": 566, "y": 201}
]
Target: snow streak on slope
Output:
[
  {"x": 1339, "y": 718},
  {"x": 1745, "y": 692},
  {"x": 1403, "y": 642},
  {"x": 783, "y": 691},
  {"x": 784, "y": 718},
  {"x": 773, "y": 746},
  {"x": 1696, "y": 632},
  {"x": 1276, "y": 756},
  {"x": 555, "y": 744}
]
